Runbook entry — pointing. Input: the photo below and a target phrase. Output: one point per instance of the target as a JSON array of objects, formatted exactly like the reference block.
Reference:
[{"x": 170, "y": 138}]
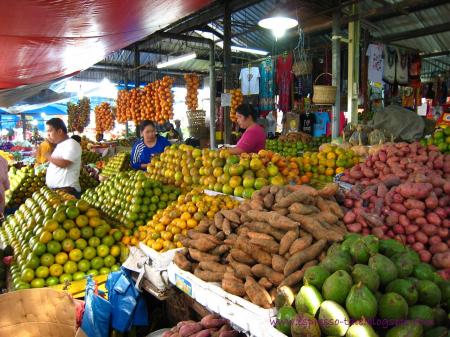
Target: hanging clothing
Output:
[
  {"x": 284, "y": 78},
  {"x": 249, "y": 78},
  {"x": 390, "y": 57},
  {"x": 266, "y": 86},
  {"x": 307, "y": 121},
  {"x": 415, "y": 66},
  {"x": 401, "y": 73},
  {"x": 376, "y": 65},
  {"x": 321, "y": 123},
  {"x": 342, "y": 123}
]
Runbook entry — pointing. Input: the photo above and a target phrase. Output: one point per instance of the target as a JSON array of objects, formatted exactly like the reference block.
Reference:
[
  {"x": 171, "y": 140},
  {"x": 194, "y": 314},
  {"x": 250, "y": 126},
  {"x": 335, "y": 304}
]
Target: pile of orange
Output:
[
  {"x": 163, "y": 231},
  {"x": 153, "y": 102},
  {"x": 236, "y": 99},
  {"x": 192, "y": 85},
  {"x": 104, "y": 119}
]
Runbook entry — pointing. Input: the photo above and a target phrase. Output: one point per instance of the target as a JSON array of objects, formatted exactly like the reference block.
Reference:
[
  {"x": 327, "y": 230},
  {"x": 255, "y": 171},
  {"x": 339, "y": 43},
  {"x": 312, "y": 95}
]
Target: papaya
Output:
[
  {"x": 372, "y": 244},
  {"x": 409, "y": 329},
  {"x": 337, "y": 286},
  {"x": 285, "y": 317},
  {"x": 361, "y": 302},
  {"x": 422, "y": 314},
  {"x": 392, "y": 306},
  {"x": 285, "y": 297},
  {"x": 316, "y": 276},
  {"x": 308, "y": 300},
  {"x": 405, "y": 288},
  {"x": 404, "y": 264},
  {"x": 340, "y": 260},
  {"x": 366, "y": 275},
  {"x": 359, "y": 251},
  {"x": 439, "y": 331},
  {"x": 305, "y": 325},
  {"x": 424, "y": 271},
  {"x": 384, "y": 267},
  {"x": 440, "y": 316},
  {"x": 429, "y": 293},
  {"x": 331, "y": 313},
  {"x": 390, "y": 247},
  {"x": 348, "y": 241},
  {"x": 361, "y": 328}
]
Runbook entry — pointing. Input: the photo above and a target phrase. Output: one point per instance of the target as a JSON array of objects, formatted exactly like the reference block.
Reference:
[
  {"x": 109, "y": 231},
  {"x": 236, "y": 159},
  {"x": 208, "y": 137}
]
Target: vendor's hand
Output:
[
  {"x": 144, "y": 166},
  {"x": 47, "y": 156}
]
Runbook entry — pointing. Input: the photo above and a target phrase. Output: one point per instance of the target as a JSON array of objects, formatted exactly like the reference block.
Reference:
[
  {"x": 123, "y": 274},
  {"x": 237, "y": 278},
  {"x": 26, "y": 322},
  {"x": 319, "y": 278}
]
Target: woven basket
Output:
[
  {"x": 302, "y": 68},
  {"x": 324, "y": 94},
  {"x": 196, "y": 118}
]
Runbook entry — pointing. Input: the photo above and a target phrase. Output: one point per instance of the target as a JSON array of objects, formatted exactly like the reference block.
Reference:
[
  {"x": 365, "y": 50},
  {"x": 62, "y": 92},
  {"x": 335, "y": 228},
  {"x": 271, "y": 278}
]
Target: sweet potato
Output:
[
  {"x": 218, "y": 219},
  {"x": 261, "y": 270},
  {"x": 399, "y": 208},
  {"x": 268, "y": 201},
  {"x": 301, "y": 196},
  {"x": 254, "y": 251},
  {"x": 414, "y": 214},
  {"x": 242, "y": 257},
  {"x": 391, "y": 180},
  {"x": 319, "y": 230},
  {"x": 303, "y": 209},
  {"x": 278, "y": 263},
  {"x": 202, "y": 244},
  {"x": 300, "y": 258},
  {"x": 414, "y": 204},
  {"x": 194, "y": 235},
  {"x": 213, "y": 230},
  {"x": 213, "y": 321},
  {"x": 190, "y": 329},
  {"x": 415, "y": 190},
  {"x": 182, "y": 262},
  {"x": 274, "y": 189},
  {"x": 220, "y": 250},
  {"x": 296, "y": 277},
  {"x": 349, "y": 217},
  {"x": 231, "y": 215},
  {"x": 233, "y": 285},
  {"x": 201, "y": 256},
  {"x": 270, "y": 246},
  {"x": 212, "y": 266},
  {"x": 274, "y": 219},
  {"x": 441, "y": 260},
  {"x": 329, "y": 190},
  {"x": 281, "y": 211},
  {"x": 257, "y": 294},
  {"x": 434, "y": 219},
  {"x": 260, "y": 236},
  {"x": 240, "y": 270},
  {"x": 203, "y": 333},
  {"x": 330, "y": 206},
  {"x": 226, "y": 226},
  {"x": 262, "y": 227},
  {"x": 230, "y": 333},
  {"x": 265, "y": 283},
  {"x": 328, "y": 217},
  {"x": 287, "y": 240},
  {"x": 209, "y": 276},
  {"x": 257, "y": 205},
  {"x": 301, "y": 244}
]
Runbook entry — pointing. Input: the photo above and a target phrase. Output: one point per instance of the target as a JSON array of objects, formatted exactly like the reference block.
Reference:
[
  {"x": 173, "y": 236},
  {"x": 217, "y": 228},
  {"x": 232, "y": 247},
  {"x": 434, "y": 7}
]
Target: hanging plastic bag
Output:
[
  {"x": 97, "y": 312},
  {"x": 128, "y": 307}
]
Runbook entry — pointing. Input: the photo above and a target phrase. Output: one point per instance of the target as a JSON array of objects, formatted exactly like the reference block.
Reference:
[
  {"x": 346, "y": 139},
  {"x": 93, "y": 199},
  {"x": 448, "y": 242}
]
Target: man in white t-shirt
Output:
[{"x": 63, "y": 171}]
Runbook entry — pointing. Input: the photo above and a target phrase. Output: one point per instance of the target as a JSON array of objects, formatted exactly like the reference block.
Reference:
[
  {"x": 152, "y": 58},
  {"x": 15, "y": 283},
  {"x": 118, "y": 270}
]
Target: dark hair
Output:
[
  {"x": 247, "y": 110},
  {"x": 57, "y": 124},
  {"x": 77, "y": 138},
  {"x": 146, "y": 123}
]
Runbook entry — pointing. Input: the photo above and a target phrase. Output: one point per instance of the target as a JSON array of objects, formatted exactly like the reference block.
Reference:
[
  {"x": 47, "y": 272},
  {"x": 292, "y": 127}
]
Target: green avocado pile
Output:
[{"x": 366, "y": 287}]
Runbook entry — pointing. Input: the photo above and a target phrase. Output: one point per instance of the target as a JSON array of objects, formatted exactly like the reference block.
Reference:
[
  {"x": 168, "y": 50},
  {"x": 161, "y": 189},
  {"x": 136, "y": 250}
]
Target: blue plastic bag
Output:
[
  {"x": 97, "y": 312},
  {"x": 128, "y": 307}
]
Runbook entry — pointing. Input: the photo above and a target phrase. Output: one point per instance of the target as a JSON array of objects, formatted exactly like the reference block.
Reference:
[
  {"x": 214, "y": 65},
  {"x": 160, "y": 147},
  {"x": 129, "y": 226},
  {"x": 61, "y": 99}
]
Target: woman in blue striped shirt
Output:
[{"x": 145, "y": 148}]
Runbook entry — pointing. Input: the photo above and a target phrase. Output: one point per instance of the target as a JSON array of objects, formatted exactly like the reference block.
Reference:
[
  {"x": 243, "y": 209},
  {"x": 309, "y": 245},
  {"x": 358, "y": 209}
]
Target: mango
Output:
[
  {"x": 337, "y": 286},
  {"x": 361, "y": 302},
  {"x": 366, "y": 275},
  {"x": 384, "y": 267},
  {"x": 392, "y": 306}
]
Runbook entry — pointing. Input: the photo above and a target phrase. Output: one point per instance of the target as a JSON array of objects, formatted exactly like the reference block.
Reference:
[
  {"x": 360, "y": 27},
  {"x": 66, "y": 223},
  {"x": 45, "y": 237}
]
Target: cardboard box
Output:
[{"x": 37, "y": 313}]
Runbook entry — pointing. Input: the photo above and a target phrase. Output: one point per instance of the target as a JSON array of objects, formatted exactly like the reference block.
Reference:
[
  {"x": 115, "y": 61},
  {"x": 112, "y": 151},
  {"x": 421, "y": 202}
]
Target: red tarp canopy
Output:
[{"x": 42, "y": 40}]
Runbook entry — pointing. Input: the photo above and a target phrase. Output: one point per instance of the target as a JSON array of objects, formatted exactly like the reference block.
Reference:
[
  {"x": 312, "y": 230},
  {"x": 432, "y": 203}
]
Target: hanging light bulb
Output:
[{"x": 278, "y": 23}]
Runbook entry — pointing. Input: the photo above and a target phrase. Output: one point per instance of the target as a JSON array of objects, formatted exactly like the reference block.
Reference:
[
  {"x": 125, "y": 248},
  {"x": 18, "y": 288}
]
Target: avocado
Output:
[
  {"x": 316, "y": 276},
  {"x": 445, "y": 289},
  {"x": 305, "y": 325},
  {"x": 390, "y": 247},
  {"x": 429, "y": 293},
  {"x": 285, "y": 316},
  {"x": 337, "y": 286},
  {"x": 384, "y": 267},
  {"x": 404, "y": 264},
  {"x": 330, "y": 313},
  {"x": 423, "y": 314},
  {"x": 308, "y": 300},
  {"x": 440, "y": 316},
  {"x": 439, "y": 331},
  {"x": 335, "y": 247},
  {"x": 405, "y": 288},
  {"x": 424, "y": 271},
  {"x": 340, "y": 260},
  {"x": 366, "y": 275},
  {"x": 392, "y": 306},
  {"x": 348, "y": 241},
  {"x": 414, "y": 256},
  {"x": 372, "y": 243},
  {"x": 361, "y": 328},
  {"x": 359, "y": 251},
  {"x": 361, "y": 302},
  {"x": 409, "y": 329}
]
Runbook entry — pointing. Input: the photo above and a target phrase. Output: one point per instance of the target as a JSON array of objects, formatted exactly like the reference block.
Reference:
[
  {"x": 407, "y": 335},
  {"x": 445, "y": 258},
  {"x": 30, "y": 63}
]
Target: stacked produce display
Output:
[
  {"x": 236, "y": 99},
  {"x": 78, "y": 115},
  {"x": 104, "y": 119},
  {"x": 88, "y": 178},
  {"x": 88, "y": 157},
  {"x": 365, "y": 286},
  {"x": 192, "y": 85},
  {"x": 130, "y": 198},
  {"x": 153, "y": 102},
  {"x": 56, "y": 241},
  {"x": 210, "y": 325},
  {"x": 163, "y": 231},
  {"x": 403, "y": 192},
  {"x": 120, "y": 162},
  {"x": 23, "y": 183},
  {"x": 440, "y": 138},
  {"x": 294, "y": 144}
]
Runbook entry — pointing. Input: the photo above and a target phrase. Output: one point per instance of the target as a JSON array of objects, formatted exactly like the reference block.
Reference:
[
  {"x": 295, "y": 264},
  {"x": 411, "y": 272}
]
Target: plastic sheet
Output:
[{"x": 46, "y": 40}]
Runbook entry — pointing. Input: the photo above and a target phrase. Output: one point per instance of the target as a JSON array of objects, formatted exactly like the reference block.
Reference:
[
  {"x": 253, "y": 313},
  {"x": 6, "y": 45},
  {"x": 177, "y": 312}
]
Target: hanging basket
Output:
[
  {"x": 302, "y": 68},
  {"x": 324, "y": 94}
]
